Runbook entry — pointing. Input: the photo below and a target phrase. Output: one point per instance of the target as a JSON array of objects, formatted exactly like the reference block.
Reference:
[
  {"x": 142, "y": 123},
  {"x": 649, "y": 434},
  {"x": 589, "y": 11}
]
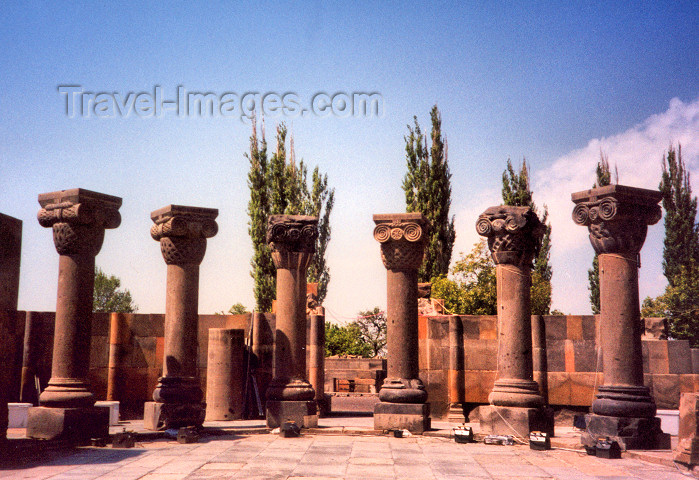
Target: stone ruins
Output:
[{"x": 508, "y": 371}]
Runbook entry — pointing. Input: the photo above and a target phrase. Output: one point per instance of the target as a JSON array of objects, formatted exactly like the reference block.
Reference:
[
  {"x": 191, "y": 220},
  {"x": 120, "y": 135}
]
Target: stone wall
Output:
[{"x": 571, "y": 354}]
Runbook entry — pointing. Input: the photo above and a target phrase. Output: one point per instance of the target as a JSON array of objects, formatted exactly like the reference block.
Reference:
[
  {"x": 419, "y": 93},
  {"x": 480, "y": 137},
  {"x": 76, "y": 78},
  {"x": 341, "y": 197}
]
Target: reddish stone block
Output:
[
  {"x": 658, "y": 361},
  {"x": 569, "y": 356},
  {"x": 586, "y": 357},
  {"x": 160, "y": 350},
  {"x": 556, "y": 327},
  {"x": 143, "y": 352},
  {"x": 99, "y": 352},
  {"x": 555, "y": 355},
  {"x": 471, "y": 327},
  {"x": 666, "y": 390},
  {"x": 574, "y": 329},
  {"x": 421, "y": 327},
  {"x": 480, "y": 354},
  {"x": 582, "y": 387},
  {"x": 488, "y": 328},
  {"x": 559, "y": 388},
  {"x": 477, "y": 385},
  {"x": 589, "y": 327},
  {"x": 438, "y": 328}
]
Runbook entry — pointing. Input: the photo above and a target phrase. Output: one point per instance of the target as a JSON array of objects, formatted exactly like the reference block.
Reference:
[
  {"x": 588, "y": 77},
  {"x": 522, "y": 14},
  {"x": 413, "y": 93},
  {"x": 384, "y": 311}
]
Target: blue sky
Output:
[{"x": 548, "y": 81}]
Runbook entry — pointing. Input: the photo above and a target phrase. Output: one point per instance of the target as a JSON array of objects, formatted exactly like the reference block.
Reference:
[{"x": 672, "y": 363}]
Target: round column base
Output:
[
  {"x": 295, "y": 390},
  {"x": 180, "y": 390},
  {"x": 509, "y": 392},
  {"x": 403, "y": 390},
  {"x": 624, "y": 401},
  {"x": 67, "y": 393}
]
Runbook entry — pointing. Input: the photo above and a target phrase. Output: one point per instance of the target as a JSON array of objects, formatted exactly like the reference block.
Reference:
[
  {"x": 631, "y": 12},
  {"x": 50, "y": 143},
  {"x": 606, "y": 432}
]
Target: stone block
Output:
[
  {"x": 163, "y": 416},
  {"x": 72, "y": 424},
  {"x": 303, "y": 413},
  {"x": 100, "y": 325},
  {"x": 438, "y": 328},
  {"x": 654, "y": 329},
  {"x": 146, "y": 325},
  {"x": 644, "y": 356},
  {"x": 589, "y": 328},
  {"x": 438, "y": 358},
  {"x": 414, "y": 417},
  {"x": 695, "y": 360},
  {"x": 680, "y": 356},
  {"x": 687, "y": 450},
  {"x": 488, "y": 328},
  {"x": 658, "y": 361},
  {"x": 666, "y": 391},
  {"x": 515, "y": 421},
  {"x": 556, "y": 327},
  {"x": 471, "y": 327},
  {"x": 574, "y": 328},
  {"x": 569, "y": 350},
  {"x": 99, "y": 351},
  {"x": 421, "y": 327},
  {"x": 98, "y": 381},
  {"x": 10, "y": 255},
  {"x": 582, "y": 387},
  {"x": 559, "y": 388},
  {"x": 555, "y": 355},
  {"x": 437, "y": 386},
  {"x": 631, "y": 433},
  {"x": 586, "y": 356},
  {"x": 480, "y": 355},
  {"x": 477, "y": 385},
  {"x": 143, "y": 352}
]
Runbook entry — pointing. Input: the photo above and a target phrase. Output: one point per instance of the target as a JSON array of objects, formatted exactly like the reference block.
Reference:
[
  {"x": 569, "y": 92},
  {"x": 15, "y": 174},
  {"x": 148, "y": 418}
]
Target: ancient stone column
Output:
[
  {"x": 225, "y": 372},
  {"x": 78, "y": 219},
  {"x": 289, "y": 395},
  {"x": 119, "y": 339},
  {"x": 516, "y": 406},
  {"x": 539, "y": 360},
  {"x": 316, "y": 366},
  {"x": 403, "y": 397},
  {"x": 687, "y": 449},
  {"x": 182, "y": 232},
  {"x": 617, "y": 218},
  {"x": 457, "y": 387}
]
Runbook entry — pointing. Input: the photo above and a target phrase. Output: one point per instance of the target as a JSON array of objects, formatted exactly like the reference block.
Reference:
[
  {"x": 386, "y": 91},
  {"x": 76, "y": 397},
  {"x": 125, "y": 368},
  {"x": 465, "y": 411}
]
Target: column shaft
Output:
[
  {"x": 290, "y": 350},
  {"x": 181, "y": 327},
  {"x": 620, "y": 320},
  {"x": 316, "y": 355},
  {"x": 401, "y": 328},
  {"x": 514, "y": 319}
]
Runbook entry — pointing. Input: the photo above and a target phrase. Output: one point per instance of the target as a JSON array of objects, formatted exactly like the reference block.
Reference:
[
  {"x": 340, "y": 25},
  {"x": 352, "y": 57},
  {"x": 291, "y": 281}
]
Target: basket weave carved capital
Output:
[
  {"x": 182, "y": 232},
  {"x": 402, "y": 237},
  {"x": 617, "y": 216},
  {"x": 514, "y": 234},
  {"x": 78, "y": 218},
  {"x": 292, "y": 239}
]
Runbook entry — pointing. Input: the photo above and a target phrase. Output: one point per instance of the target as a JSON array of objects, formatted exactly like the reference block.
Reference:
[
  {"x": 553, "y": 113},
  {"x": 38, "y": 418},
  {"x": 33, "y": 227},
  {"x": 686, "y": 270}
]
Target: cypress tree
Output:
[{"x": 427, "y": 187}]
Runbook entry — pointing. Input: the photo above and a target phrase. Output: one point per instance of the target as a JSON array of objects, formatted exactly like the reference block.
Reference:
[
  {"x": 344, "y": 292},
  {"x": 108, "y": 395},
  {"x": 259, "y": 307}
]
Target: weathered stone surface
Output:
[
  {"x": 224, "y": 376},
  {"x": 687, "y": 449},
  {"x": 303, "y": 412},
  {"x": 414, "y": 417},
  {"x": 514, "y": 237},
  {"x": 292, "y": 240},
  {"x": 632, "y": 433},
  {"x": 316, "y": 362},
  {"x": 518, "y": 421},
  {"x": 10, "y": 254},
  {"x": 182, "y": 232},
  {"x": 164, "y": 416},
  {"x": 617, "y": 218},
  {"x": 402, "y": 238},
  {"x": 78, "y": 219},
  {"x": 72, "y": 424}
]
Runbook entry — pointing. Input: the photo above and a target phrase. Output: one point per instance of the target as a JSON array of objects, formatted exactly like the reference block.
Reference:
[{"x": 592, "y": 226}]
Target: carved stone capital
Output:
[
  {"x": 617, "y": 216},
  {"x": 182, "y": 232},
  {"x": 78, "y": 218},
  {"x": 402, "y": 237},
  {"x": 514, "y": 234},
  {"x": 292, "y": 240}
]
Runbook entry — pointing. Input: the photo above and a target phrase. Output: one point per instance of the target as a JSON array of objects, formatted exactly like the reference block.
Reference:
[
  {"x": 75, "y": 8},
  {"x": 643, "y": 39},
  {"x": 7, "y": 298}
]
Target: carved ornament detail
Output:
[
  {"x": 616, "y": 225},
  {"x": 514, "y": 234},
  {"x": 182, "y": 235},
  {"x": 402, "y": 243}
]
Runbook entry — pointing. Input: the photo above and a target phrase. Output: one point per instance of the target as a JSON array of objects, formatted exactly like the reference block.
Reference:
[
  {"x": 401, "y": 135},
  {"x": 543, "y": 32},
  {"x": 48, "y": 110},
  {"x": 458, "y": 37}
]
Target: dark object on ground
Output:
[
  {"x": 124, "y": 440},
  {"x": 539, "y": 441},
  {"x": 187, "y": 435},
  {"x": 463, "y": 434},
  {"x": 608, "y": 449},
  {"x": 289, "y": 430}
]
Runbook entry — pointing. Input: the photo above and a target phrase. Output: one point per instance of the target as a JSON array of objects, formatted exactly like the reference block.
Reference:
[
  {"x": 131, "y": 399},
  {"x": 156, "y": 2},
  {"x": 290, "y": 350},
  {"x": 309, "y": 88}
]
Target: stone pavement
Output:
[{"x": 268, "y": 456}]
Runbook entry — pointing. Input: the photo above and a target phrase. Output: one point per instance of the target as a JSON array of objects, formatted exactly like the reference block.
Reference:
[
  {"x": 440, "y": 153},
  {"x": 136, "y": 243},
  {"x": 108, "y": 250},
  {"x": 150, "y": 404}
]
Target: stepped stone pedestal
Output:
[
  {"x": 289, "y": 395},
  {"x": 516, "y": 404},
  {"x": 182, "y": 233},
  {"x": 78, "y": 219},
  {"x": 617, "y": 218},
  {"x": 402, "y": 396}
]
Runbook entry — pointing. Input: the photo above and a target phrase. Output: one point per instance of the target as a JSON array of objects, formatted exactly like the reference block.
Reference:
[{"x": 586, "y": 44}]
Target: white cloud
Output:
[{"x": 637, "y": 153}]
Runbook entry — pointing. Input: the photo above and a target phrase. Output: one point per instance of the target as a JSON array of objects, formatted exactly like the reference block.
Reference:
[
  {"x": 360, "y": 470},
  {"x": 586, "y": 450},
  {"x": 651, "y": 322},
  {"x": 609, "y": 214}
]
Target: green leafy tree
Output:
[
  {"x": 108, "y": 297},
  {"x": 345, "y": 340},
  {"x": 472, "y": 288},
  {"x": 427, "y": 186},
  {"x": 604, "y": 178},
  {"x": 372, "y": 329},
  {"x": 516, "y": 192},
  {"x": 236, "y": 309},
  {"x": 279, "y": 186}
]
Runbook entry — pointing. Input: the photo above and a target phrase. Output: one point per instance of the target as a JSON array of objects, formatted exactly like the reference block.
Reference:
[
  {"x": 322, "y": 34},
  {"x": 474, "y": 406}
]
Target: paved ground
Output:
[{"x": 268, "y": 456}]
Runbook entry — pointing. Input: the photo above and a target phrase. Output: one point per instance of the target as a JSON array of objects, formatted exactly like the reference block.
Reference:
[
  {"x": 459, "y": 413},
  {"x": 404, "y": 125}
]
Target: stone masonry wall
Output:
[{"x": 571, "y": 354}]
